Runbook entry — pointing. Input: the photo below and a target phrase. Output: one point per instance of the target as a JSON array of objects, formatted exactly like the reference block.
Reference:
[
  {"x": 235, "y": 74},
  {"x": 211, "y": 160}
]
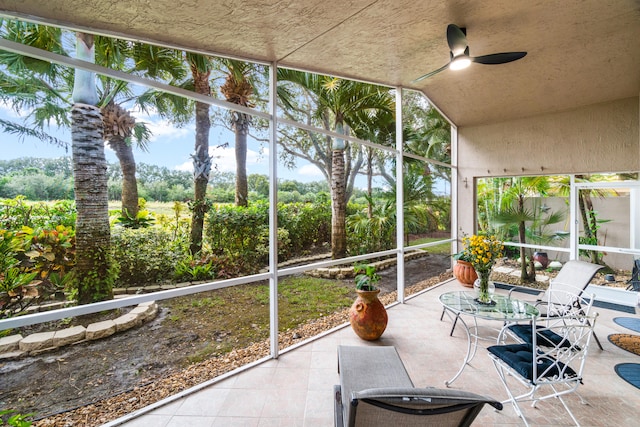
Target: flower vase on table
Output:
[
  {"x": 482, "y": 252},
  {"x": 484, "y": 288}
]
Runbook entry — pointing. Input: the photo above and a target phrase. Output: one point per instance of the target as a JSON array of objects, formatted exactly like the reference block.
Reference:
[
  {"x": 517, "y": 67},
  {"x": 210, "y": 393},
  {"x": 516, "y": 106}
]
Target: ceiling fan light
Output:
[{"x": 460, "y": 62}]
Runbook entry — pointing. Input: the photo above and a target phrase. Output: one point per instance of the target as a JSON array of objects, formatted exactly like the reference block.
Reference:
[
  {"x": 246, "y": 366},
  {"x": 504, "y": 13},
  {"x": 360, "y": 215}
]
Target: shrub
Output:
[
  {"x": 13, "y": 278},
  {"x": 17, "y": 212},
  {"x": 239, "y": 233},
  {"x": 146, "y": 255},
  {"x": 308, "y": 224}
]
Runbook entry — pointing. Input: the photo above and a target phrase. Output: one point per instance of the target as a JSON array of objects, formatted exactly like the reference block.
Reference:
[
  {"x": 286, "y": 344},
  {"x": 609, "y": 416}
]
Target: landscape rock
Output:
[
  {"x": 10, "y": 343},
  {"x": 37, "y": 341},
  {"x": 68, "y": 336},
  {"x": 101, "y": 330},
  {"x": 128, "y": 321}
]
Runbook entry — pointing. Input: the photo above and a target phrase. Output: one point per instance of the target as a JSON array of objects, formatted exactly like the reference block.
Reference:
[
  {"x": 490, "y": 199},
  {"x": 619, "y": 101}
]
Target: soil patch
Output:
[{"x": 91, "y": 383}]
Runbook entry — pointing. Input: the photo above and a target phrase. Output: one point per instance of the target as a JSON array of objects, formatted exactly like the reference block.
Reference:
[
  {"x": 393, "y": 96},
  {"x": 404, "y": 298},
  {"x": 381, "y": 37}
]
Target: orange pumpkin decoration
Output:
[{"x": 465, "y": 273}]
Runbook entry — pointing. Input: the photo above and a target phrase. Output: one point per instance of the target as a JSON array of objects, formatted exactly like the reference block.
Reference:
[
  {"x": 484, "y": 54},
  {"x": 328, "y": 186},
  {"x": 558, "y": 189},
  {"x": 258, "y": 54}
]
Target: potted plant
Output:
[
  {"x": 463, "y": 270},
  {"x": 367, "y": 315}
]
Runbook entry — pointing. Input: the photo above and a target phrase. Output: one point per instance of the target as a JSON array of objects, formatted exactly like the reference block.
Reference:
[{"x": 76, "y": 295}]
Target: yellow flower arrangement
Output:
[{"x": 482, "y": 251}]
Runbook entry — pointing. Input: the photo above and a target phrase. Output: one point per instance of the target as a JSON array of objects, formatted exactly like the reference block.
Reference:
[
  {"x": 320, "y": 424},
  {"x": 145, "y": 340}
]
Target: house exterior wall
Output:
[
  {"x": 612, "y": 208},
  {"x": 597, "y": 138}
]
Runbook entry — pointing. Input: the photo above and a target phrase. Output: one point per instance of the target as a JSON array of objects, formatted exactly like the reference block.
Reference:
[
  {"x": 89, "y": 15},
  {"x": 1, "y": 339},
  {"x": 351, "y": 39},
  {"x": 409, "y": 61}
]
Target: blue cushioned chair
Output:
[
  {"x": 560, "y": 304},
  {"x": 565, "y": 292},
  {"x": 547, "y": 367}
]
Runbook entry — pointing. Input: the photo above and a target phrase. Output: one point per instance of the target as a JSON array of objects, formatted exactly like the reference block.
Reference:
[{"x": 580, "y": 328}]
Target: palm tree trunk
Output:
[
  {"x": 201, "y": 161},
  {"x": 92, "y": 223},
  {"x": 369, "y": 182},
  {"x": 124, "y": 153},
  {"x": 338, "y": 206},
  {"x": 241, "y": 126}
]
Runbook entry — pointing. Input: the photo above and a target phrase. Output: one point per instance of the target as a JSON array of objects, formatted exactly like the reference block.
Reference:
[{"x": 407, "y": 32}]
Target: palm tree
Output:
[
  {"x": 46, "y": 89},
  {"x": 238, "y": 89},
  {"x": 337, "y": 104},
  {"x": 200, "y": 67},
  {"x": 120, "y": 127},
  {"x": 28, "y": 77},
  {"x": 49, "y": 98},
  {"x": 93, "y": 271},
  {"x": 514, "y": 211}
]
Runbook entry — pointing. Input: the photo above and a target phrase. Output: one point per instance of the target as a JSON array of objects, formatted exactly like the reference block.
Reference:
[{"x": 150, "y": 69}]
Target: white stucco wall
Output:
[{"x": 597, "y": 138}]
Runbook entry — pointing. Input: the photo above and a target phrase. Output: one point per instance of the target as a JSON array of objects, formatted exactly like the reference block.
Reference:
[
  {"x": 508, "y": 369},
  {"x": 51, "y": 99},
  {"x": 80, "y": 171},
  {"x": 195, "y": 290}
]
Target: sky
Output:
[
  {"x": 169, "y": 146},
  {"x": 172, "y": 147}
]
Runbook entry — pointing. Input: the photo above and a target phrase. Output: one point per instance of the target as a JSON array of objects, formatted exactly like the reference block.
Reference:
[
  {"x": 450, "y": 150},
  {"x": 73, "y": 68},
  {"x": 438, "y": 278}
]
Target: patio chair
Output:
[
  {"x": 376, "y": 390},
  {"x": 634, "y": 282},
  {"x": 560, "y": 305},
  {"x": 565, "y": 290},
  {"x": 548, "y": 368},
  {"x": 419, "y": 407}
]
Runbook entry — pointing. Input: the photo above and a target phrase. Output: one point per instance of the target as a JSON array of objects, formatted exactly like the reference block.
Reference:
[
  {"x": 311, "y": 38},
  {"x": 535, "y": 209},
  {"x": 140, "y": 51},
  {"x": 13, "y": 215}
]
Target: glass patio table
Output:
[{"x": 461, "y": 304}]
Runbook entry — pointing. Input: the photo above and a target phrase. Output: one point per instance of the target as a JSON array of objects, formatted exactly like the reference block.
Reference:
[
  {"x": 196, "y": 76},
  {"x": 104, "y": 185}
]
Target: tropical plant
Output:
[
  {"x": 15, "y": 420},
  {"x": 238, "y": 89},
  {"x": 591, "y": 223},
  {"x": 513, "y": 211},
  {"x": 336, "y": 106},
  {"x": 191, "y": 269},
  {"x": 46, "y": 91},
  {"x": 13, "y": 278},
  {"x": 93, "y": 266},
  {"x": 365, "y": 277},
  {"x": 45, "y": 87}
]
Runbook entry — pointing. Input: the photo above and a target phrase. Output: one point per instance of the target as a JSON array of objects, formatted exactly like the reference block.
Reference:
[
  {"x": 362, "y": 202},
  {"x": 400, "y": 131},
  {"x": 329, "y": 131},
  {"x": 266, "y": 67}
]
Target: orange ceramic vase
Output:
[
  {"x": 368, "y": 316},
  {"x": 465, "y": 273}
]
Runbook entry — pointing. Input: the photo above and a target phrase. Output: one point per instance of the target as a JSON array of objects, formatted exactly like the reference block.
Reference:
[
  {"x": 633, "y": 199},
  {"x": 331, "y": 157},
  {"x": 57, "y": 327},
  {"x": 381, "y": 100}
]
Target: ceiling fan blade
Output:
[
  {"x": 433, "y": 73},
  {"x": 457, "y": 39},
  {"x": 499, "y": 58}
]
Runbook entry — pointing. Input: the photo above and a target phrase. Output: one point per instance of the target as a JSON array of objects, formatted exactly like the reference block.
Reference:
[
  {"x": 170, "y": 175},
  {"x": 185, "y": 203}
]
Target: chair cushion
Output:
[
  {"x": 545, "y": 337},
  {"x": 519, "y": 357}
]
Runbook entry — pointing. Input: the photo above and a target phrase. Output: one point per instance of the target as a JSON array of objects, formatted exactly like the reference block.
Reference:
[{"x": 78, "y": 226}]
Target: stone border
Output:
[
  {"x": 347, "y": 272},
  {"x": 15, "y": 346}
]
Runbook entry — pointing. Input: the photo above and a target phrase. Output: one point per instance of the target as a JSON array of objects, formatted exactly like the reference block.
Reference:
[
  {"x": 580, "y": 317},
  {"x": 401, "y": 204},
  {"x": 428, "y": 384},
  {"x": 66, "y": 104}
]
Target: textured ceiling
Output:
[{"x": 580, "y": 52}]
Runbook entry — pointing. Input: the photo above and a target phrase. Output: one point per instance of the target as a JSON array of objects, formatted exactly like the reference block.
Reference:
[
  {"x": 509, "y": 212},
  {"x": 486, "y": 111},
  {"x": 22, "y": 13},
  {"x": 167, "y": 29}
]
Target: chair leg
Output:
[
  {"x": 513, "y": 399},
  {"x": 595, "y": 337},
  {"x": 568, "y": 411}
]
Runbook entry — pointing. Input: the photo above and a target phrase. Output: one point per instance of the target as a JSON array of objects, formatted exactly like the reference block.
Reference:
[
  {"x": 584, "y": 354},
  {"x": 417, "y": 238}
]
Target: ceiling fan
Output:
[{"x": 459, "y": 51}]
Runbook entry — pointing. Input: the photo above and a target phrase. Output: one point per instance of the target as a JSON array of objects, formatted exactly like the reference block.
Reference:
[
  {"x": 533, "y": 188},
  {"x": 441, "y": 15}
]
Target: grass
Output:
[
  {"x": 237, "y": 316},
  {"x": 444, "y": 248}
]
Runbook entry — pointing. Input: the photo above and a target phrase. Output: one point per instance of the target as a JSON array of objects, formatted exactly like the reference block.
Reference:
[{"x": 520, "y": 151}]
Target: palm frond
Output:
[{"x": 23, "y": 132}]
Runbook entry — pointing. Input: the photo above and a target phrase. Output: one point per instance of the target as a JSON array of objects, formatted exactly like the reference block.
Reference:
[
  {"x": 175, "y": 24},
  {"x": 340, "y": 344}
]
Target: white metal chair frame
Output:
[
  {"x": 559, "y": 304},
  {"x": 566, "y": 288},
  {"x": 556, "y": 366}
]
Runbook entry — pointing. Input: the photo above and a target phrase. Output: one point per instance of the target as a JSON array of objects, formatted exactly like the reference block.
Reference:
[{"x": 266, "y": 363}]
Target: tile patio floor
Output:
[{"x": 296, "y": 389}]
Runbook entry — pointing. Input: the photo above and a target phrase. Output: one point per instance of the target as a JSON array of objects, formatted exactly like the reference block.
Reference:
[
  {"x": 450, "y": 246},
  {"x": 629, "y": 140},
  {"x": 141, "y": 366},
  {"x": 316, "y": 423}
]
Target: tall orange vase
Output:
[{"x": 368, "y": 316}]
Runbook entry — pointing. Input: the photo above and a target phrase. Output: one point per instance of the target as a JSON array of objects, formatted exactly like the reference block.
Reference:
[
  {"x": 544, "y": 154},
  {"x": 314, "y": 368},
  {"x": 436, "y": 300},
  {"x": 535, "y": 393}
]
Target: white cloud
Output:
[
  {"x": 159, "y": 127},
  {"x": 162, "y": 128},
  {"x": 186, "y": 166},
  {"x": 224, "y": 159},
  {"x": 310, "y": 171}
]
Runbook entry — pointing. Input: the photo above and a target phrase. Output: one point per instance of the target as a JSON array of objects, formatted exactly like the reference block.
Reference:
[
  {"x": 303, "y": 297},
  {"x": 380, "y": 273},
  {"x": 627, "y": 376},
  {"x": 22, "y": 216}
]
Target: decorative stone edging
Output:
[
  {"x": 346, "y": 272},
  {"x": 15, "y": 346}
]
